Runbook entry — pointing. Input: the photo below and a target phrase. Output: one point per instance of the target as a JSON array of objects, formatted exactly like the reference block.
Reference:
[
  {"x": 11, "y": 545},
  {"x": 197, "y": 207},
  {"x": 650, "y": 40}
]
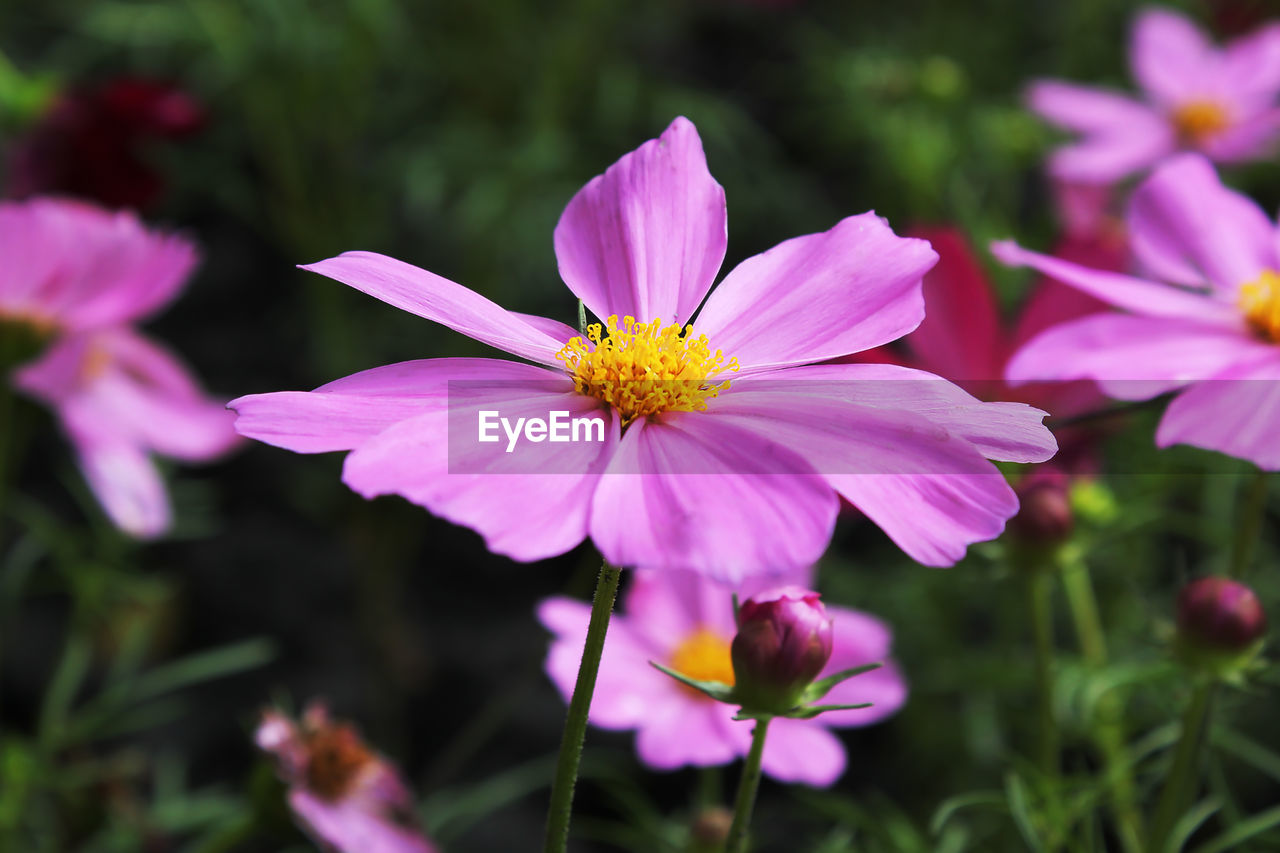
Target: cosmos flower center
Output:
[
  {"x": 1260, "y": 301},
  {"x": 335, "y": 757},
  {"x": 704, "y": 655},
  {"x": 641, "y": 369},
  {"x": 1197, "y": 121}
]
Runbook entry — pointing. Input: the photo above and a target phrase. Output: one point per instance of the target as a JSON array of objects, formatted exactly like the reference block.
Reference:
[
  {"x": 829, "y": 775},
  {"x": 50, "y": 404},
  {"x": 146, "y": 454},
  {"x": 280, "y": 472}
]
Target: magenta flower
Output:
[
  {"x": 1222, "y": 102},
  {"x": 84, "y": 274},
  {"x": 686, "y": 622},
  {"x": 344, "y": 796},
  {"x": 1211, "y": 334},
  {"x": 724, "y": 446}
]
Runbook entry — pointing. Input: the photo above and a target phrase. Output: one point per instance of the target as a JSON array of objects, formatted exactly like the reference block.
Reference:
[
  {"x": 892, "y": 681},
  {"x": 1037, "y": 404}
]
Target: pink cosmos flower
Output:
[
  {"x": 686, "y": 622},
  {"x": 346, "y": 798},
  {"x": 964, "y": 339},
  {"x": 726, "y": 445},
  {"x": 1212, "y": 333},
  {"x": 84, "y": 274},
  {"x": 1222, "y": 102}
]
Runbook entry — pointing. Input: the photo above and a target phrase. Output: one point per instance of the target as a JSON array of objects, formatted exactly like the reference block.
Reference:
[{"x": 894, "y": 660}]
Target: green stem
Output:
[
  {"x": 575, "y": 724},
  {"x": 746, "y": 799},
  {"x": 1249, "y": 524},
  {"x": 1180, "y": 784},
  {"x": 1040, "y": 605},
  {"x": 1109, "y": 729}
]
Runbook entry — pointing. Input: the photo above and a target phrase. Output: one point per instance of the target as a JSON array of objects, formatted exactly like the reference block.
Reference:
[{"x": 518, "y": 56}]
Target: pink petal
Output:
[
  {"x": 426, "y": 294},
  {"x": 1123, "y": 291},
  {"x": 931, "y": 493},
  {"x": 125, "y": 481},
  {"x": 688, "y": 730},
  {"x": 802, "y": 751},
  {"x": 1133, "y": 358},
  {"x": 1011, "y": 432},
  {"x": 820, "y": 296},
  {"x": 688, "y": 491},
  {"x": 346, "y": 826},
  {"x": 1086, "y": 109},
  {"x": 1185, "y": 226},
  {"x": 345, "y": 413},
  {"x": 667, "y": 605},
  {"x": 933, "y": 517},
  {"x": 1234, "y": 413},
  {"x": 147, "y": 394},
  {"x": 527, "y": 505},
  {"x": 1169, "y": 55},
  {"x": 1105, "y": 158},
  {"x": 1251, "y": 66},
  {"x": 647, "y": 237},
  {"x": 1052, "y": 302},
  {"x": 960, "y": 337},
  {"x": 858, "y": 639},
  {"x": 627, "y": 688},
  {"x": 1251, "y": 138}
]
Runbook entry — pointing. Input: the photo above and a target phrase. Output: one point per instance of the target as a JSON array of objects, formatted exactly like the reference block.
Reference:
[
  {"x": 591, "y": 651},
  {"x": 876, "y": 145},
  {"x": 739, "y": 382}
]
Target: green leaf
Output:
[
  {"x": 822, "y": 686},
  {"x": 1020, "y": 808},
  {"x": 1242, "y": 831},
  {"x": 717, "y": 690},
  {"x": 1190, "y": 822}
]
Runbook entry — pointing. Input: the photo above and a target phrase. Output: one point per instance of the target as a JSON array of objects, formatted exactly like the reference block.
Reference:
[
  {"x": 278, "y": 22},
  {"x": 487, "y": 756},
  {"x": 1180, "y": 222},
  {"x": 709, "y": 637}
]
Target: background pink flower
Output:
[
  {"x": 1222, "y": 102},
  {"x": 346, "y": 797},
  {"x": 1212, "y": 333},
  {"x": 686, "y": 622},
  {"x": 731, "y": 481}
]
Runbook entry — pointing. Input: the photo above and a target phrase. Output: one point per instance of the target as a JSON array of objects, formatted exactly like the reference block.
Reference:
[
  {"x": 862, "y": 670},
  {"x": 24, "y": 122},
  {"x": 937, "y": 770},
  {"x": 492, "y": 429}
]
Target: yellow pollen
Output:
[
  {"x": 1260, "y": 301},
  {"x": 703, "y": 655},
  {"x": 642, "y": 369},
  {"x": 1197, "y": 121}
]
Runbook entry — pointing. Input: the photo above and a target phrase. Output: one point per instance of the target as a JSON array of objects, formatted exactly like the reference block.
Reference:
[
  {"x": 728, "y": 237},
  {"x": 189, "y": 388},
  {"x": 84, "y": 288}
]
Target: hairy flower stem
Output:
[
  {"x": 575, "y": 724},
  {"x": 1180, "y": 784},
  {"x": 746, "y": 799},
  {"x": 1109, "y": 729},
  {"x": 1253, "y": 504}
]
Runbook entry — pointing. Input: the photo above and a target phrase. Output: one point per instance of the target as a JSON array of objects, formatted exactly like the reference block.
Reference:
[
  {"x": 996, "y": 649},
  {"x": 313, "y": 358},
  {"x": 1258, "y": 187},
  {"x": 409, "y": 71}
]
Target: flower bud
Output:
[
  {"x": 1044, "y": 515},
  {"x": 1219, "y": 614},
  {"x": 783, "y": 642}
]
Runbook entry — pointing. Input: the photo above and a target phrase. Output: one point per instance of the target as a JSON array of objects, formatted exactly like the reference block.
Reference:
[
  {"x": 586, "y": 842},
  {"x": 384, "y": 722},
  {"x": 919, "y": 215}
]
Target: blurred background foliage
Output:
[{"x": 451, "y": 135}]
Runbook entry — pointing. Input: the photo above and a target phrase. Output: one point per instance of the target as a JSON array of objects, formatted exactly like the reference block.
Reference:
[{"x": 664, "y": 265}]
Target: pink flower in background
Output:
[
  {"x": 726, "y": 445},
  {"x": 120, "y": 398},
  {"x": 686, "y": 622},
  {"x": 1212, "y": 334},
  {"x": 347, "y": 798},
  {"x": 92, "y": 142},
  {"x": 82, "y": 275},
  {"x": 964, "y": 339},
  {"x": 1222, "y": 102}
]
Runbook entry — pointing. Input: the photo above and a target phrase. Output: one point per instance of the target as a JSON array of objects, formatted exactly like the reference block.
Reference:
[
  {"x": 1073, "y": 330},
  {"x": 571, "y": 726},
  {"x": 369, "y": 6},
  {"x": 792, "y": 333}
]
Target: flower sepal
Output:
[
  {"x": 804, "y": 710},
  {"x": 717, "y": 690}
]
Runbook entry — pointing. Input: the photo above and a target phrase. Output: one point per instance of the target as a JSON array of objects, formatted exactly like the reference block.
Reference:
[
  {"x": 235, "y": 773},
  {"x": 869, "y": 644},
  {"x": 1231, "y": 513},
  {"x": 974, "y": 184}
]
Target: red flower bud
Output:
[
  {"x": 1044, "y": 517},
  {"x": 1219, "y": 615},
  {"x": 783, "y": 642}
]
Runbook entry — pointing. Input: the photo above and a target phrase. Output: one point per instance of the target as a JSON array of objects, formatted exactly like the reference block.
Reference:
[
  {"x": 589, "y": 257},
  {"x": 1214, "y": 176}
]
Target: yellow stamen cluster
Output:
[
  {"x": 1197, "y": 121},
  {"x": 641, "y": 369},
  {"x": 1260, "y": 301},
  {"x": 703, "y": 655}
]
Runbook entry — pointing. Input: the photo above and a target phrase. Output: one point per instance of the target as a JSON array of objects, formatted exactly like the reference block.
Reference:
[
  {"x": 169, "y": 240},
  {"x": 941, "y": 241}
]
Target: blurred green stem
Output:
[
  {"x": 1180, "y": 784},
  {"x": 575, "y": 724},
  {"x": 1108, "y": 728},
  {"x": 1252, "y": 505},
  {"x": 1040, "y": 606},
  {"x": 746, "y": 799}
]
